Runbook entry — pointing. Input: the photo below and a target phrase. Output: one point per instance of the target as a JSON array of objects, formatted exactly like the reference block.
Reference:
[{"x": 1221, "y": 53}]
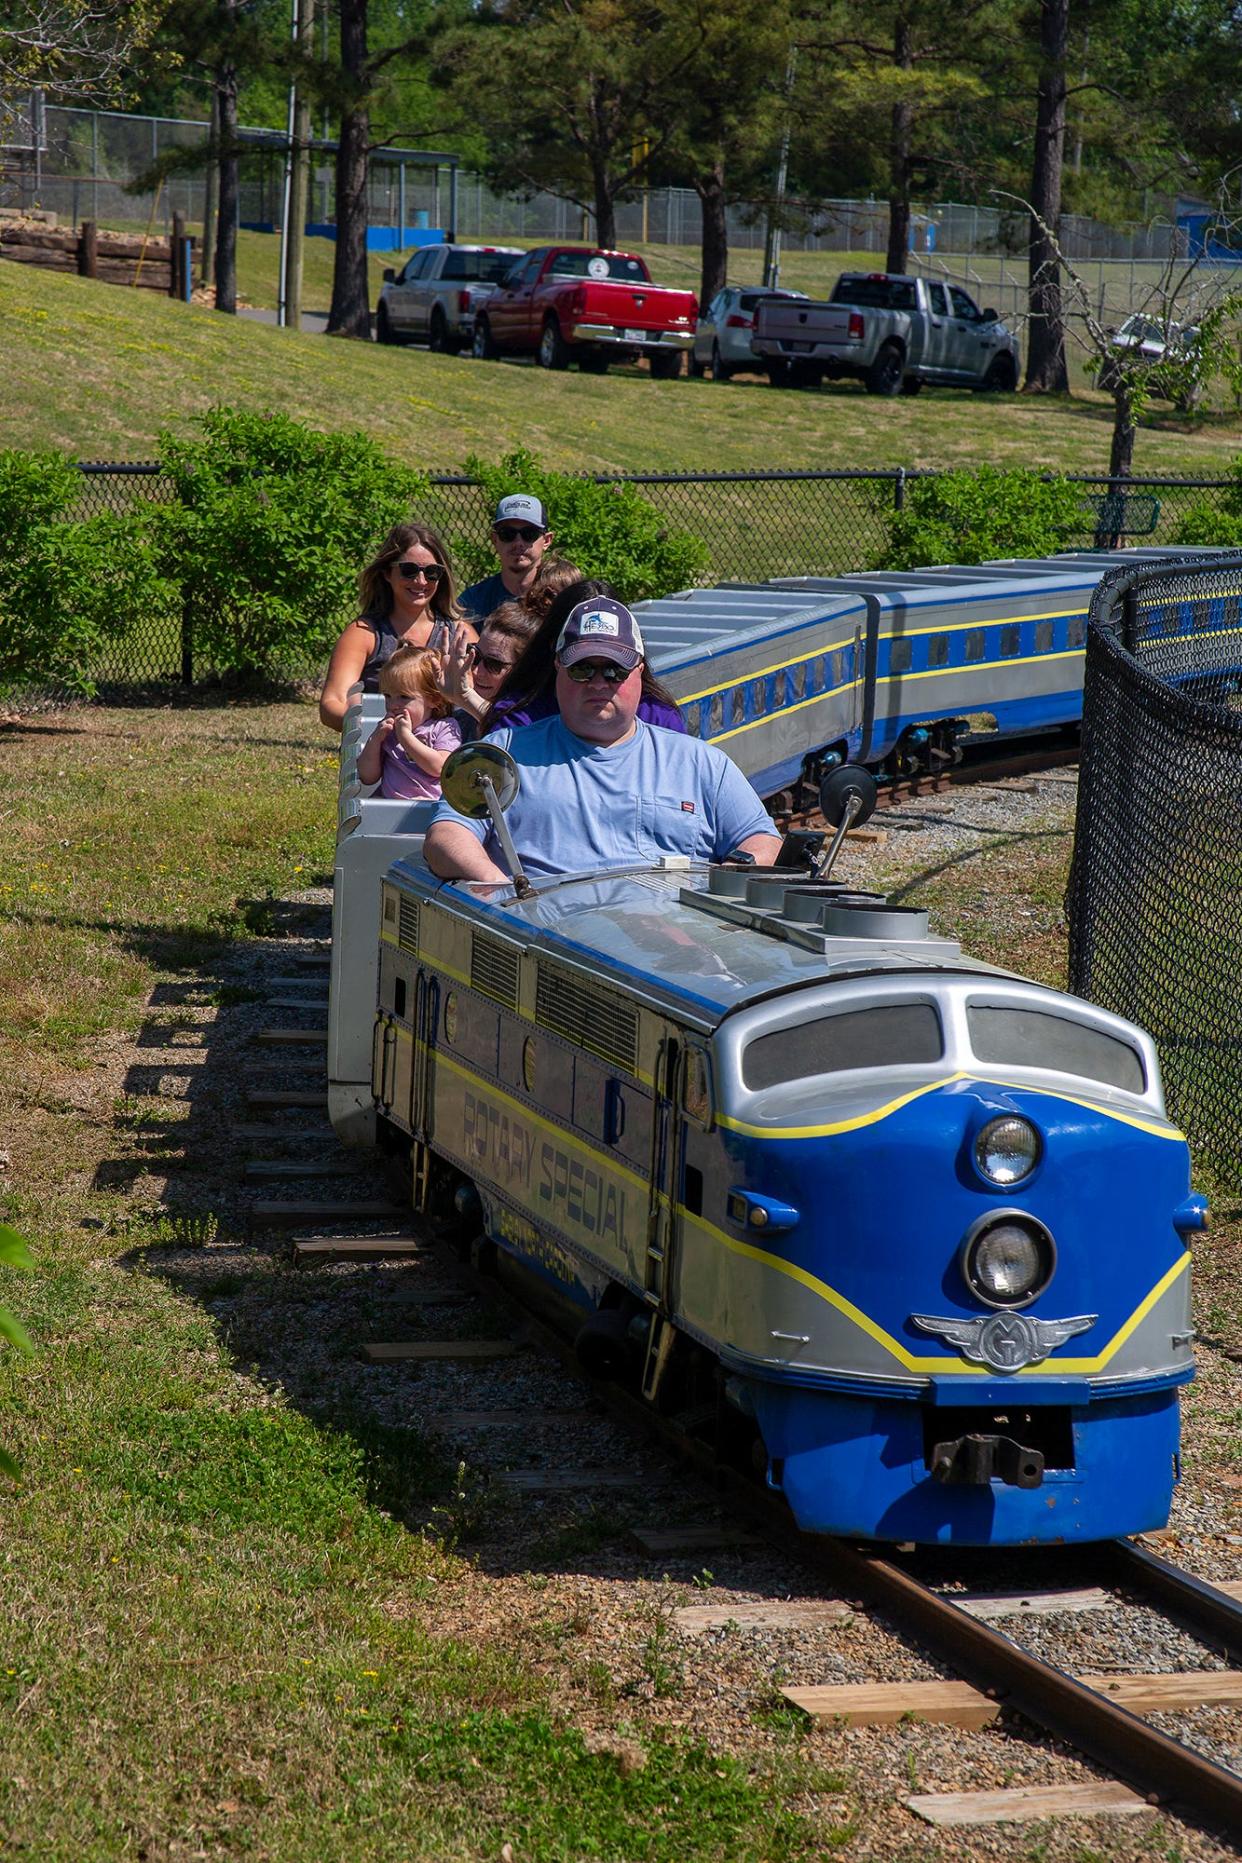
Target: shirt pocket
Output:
[{"x": 668, "y": 828}]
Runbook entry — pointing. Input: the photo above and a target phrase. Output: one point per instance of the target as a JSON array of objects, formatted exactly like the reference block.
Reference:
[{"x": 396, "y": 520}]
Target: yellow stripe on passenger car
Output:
[{"x": 1158, "y": 1129}]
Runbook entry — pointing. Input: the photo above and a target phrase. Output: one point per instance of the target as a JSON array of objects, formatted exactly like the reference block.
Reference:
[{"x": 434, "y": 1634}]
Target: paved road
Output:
[{"x": 314, "y": 323}]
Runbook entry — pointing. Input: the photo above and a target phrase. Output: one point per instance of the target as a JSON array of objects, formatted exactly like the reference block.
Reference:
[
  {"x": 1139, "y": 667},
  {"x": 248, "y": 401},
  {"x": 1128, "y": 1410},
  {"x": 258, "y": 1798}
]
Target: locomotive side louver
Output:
[
  {"x": 407, "y": 925},
  {"x": 590, "y": 1018},
  {"x": 494, "y": 969}
]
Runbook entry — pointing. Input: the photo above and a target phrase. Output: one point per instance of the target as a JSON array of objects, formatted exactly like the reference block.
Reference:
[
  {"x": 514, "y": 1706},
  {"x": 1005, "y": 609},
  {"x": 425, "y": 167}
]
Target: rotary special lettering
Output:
[{"x": 569, "y": 1191}]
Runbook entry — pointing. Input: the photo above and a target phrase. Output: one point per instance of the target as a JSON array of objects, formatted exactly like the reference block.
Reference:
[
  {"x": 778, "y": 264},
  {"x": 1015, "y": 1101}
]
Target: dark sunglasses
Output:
[
  {"x": 582, "y": 672},
  {"x": 510, "y": 533},
  {"x": 494, "y": 667},
  {"x": 414, "y": 572}
]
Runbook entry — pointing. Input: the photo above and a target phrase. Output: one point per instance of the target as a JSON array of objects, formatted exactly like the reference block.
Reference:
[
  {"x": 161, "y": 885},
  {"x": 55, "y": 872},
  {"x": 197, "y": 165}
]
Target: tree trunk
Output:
[
  {"x": 350, "y": 312},
  {"x": 229, "y": 188},
  {"x": 210, "y": 186},
  {"x": 899, "y": 161},
  {"x": 605, "y": 206},
  {"x": 1121, "y": 453},
  {"x": 710, "y": 188},
  {"x": 1046, "y": 371}
]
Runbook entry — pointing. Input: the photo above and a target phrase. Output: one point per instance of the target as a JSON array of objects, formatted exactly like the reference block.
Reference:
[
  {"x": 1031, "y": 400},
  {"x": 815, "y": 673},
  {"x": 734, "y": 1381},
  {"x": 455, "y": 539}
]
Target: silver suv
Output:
[{"x": 722, "y": 336}]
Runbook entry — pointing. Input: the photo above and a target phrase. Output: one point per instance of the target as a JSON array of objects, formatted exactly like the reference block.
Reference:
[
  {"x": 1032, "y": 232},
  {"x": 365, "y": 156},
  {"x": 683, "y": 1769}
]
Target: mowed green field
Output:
[{"x": 100, "y": 370}]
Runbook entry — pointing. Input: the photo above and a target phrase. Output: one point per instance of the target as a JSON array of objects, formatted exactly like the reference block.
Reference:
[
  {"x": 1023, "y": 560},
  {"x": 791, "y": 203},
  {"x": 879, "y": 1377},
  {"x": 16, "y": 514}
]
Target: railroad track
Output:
[{"x": 999, "y": 1676}]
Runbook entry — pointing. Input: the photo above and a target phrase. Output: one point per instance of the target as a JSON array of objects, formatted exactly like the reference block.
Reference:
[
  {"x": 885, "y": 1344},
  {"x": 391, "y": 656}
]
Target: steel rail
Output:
[{"x": 1197, "y": 1602}]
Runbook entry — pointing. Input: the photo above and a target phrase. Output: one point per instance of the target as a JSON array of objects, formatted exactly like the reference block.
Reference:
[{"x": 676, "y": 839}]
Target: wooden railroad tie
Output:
[
  {"x": 321, "y": 1134},
  {"x": 309, "y": 1249},
  {"x": 300, "y": 1167},
  {"x": 565, "y": 1480},
  {"x": 311, "y": 1210},
  {"x": 317, "y": 1001},
  {"x": 670, "y": 1542},
  {"x": 288, "y": 1096},
  {"x": 789, "y": 1614},
  {"x": 438, "y": 1351},
  {"x": 312, "y": 960},
  {"x": 444, "y": 1420},
  {"x": 293, "y": 1038},
  {"x": 300, "y": 983},
  {"x": 1023, "y": 1804},
  {"x": 884, "y": 1704}
]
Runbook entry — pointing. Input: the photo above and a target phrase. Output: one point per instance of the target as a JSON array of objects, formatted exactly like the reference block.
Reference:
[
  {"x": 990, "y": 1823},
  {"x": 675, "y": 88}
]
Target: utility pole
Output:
[
  {"x": 297, "y": 194},
  {"x": 772, "y": 232}
]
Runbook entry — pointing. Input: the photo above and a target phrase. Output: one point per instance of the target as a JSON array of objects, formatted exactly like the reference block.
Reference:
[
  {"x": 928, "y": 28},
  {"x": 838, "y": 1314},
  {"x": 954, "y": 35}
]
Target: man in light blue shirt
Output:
[{"x": 599, "y": 787}]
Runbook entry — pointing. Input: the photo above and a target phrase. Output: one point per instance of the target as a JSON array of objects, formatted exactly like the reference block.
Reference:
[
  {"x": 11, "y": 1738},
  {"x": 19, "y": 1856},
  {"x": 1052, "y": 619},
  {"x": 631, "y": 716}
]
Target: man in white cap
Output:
[
  {"x": 599, "y": 786},
  {"x": 520, "y": 535}
]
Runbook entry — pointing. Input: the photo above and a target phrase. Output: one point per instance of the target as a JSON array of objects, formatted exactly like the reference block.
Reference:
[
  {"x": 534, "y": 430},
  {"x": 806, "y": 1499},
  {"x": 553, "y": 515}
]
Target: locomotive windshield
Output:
[
  {"x": 888, "y": 1035},
  {"x": 1010, "y": 1037}
]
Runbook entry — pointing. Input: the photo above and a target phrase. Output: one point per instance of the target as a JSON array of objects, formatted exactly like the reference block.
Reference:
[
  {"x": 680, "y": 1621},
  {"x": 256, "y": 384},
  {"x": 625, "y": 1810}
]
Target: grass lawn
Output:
[{"x": 99, "y": 370}]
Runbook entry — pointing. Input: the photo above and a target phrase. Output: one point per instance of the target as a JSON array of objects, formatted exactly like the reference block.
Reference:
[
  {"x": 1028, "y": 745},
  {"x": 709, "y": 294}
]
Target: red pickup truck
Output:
[{"x": 595, "y": 307}]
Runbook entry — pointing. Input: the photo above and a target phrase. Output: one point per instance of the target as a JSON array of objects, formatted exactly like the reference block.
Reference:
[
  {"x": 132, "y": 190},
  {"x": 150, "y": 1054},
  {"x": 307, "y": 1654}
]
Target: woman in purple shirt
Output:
[{"x": 530, "y": 689}]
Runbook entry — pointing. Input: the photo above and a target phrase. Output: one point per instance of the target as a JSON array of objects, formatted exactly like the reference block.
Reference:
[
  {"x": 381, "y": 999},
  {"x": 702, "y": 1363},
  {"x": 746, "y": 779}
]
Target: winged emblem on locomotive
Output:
[{"x": 1005, "y": 1341}]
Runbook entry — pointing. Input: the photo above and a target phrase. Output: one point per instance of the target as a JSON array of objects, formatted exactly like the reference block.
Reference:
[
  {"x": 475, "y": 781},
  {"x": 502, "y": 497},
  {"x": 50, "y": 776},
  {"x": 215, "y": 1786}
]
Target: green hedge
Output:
[{"x": 975, "y": 516}]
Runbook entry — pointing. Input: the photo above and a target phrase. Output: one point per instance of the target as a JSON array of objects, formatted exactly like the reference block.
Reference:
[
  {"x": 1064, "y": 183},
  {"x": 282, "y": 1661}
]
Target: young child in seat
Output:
[{"x": 410, "y": 745}]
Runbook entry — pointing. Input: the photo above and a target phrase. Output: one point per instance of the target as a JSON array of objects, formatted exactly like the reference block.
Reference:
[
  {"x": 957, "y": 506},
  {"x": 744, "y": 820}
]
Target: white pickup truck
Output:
[
  {"x": 894, "y": 332},
  {"x": 437, "y": 295}
]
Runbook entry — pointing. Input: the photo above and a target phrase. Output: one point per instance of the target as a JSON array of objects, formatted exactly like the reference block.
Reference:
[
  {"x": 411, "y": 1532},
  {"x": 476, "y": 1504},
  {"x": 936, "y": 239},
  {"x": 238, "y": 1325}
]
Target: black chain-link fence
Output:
[
  {"x": 755, "y": 525},
  {"x": 1155, "y": 927}
]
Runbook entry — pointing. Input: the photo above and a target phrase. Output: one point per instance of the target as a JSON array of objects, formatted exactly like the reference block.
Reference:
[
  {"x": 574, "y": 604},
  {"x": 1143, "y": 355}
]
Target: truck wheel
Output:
[
  {"x": 553, "y": 350},
  {"x": 666, "y": 368},
  {"x": 384, "y": 332},
  {"x": 912, "y": 385},
  {"x": 1001, "y": 377},
  {"x": 438, "y": 338},
  {"x": 884, "y": 375},
  {"x": 483, "y": 347},
  {"x": 719, "y": 370}
]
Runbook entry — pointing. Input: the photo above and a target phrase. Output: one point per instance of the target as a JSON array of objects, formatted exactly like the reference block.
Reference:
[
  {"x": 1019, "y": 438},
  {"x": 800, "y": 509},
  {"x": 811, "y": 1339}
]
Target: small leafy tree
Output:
[
  {"x": 609, "y": 531},
  {"x": 13, "y": 1254},
  {"x": 68, "y": 587},
  {"x": 975, "y": 516},
  {"x": 1217, "y": 525},
  {"x": 272, "y": 524}
]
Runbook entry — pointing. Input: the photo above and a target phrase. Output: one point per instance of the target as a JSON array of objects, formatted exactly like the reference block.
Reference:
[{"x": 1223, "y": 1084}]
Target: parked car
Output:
[
  {"x": 579, "y": 303},
  {"x": 1153, "y": 341},
  {"x": 893, "y": 332},
  {"x": 435, "y": 298},
  {"x": 723, "y": 332}
]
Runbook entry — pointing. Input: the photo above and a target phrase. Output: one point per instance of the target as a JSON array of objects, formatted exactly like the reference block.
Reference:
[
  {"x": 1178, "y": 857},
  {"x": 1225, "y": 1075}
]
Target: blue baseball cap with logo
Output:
[{"x": 600, "y": 629}]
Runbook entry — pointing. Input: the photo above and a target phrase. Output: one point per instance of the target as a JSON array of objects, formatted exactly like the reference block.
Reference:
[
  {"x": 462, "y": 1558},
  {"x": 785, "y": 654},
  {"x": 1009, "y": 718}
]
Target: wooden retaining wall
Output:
[{"x": 164, "y": 265}]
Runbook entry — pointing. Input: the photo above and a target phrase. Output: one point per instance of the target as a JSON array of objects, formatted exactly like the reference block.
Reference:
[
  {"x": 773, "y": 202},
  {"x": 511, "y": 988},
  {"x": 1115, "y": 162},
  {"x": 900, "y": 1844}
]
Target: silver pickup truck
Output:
[
  {"x": 436, "y": 296},
  {"x": 894, "y": 332}
]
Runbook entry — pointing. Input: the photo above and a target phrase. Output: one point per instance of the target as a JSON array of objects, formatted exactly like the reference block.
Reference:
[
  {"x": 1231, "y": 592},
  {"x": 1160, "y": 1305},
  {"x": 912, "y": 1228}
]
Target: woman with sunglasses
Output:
[
  {"x": 407, "y": 598},
  {"x": 530, "y": 689},
  {"x": 473, "y": 672}
]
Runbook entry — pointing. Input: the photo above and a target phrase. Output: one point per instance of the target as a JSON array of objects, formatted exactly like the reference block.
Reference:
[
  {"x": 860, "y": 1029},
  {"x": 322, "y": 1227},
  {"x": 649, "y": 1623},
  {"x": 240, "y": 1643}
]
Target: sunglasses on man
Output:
[
  {"x": 582, "y": 672},
  {"x": 517, "y": 533},
  {"x": 420, "y": 572}
]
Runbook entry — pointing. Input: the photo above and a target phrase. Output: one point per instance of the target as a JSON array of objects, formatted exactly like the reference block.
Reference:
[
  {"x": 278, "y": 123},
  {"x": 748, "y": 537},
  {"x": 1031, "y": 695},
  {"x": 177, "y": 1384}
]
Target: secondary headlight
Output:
[
  {"x": 1009, "y": 1261},
  {"x": 1007, "y": 1150}
]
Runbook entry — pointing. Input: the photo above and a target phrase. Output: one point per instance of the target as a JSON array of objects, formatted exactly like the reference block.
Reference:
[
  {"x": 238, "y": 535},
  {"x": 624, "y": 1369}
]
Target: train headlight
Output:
[
  {"x": 1008, "y": 1259},
  {"x": 1007, "y": 1150}
]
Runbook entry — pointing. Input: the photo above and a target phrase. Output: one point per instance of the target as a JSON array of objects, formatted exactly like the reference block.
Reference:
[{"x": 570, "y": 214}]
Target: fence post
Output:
[
  {"x": 88, "y": 251},
  {"x": 899, "y": 490},
  {"x": 187, "y": 642},
  {"x": 176, "y": 286}
]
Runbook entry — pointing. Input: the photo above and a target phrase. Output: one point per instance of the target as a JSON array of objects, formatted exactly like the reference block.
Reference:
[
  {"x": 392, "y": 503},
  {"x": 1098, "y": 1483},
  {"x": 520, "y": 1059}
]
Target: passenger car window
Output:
[{"x": 963, "y": 306}]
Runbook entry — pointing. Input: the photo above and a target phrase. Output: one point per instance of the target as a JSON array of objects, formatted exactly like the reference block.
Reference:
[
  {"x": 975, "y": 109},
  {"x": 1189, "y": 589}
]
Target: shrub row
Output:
[{"x": 259, "y": 551}]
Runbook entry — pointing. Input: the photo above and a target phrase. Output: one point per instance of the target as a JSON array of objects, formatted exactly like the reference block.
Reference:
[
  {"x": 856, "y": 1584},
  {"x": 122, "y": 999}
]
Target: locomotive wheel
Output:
[{"x": 885, "y": 374}]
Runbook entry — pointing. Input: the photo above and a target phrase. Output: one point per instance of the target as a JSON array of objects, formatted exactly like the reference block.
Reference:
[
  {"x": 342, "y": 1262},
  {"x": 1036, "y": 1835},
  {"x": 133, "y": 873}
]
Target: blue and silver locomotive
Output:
[{"x": 907, "y": 1228}]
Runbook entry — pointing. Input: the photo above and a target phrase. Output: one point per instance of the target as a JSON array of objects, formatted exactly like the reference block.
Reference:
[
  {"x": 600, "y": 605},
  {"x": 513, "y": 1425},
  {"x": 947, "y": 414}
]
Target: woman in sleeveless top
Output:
[{"x": 407, "y": 590}]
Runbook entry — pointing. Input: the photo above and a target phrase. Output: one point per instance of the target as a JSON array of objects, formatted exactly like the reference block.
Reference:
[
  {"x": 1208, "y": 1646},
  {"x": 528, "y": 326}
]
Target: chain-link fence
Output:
[
  {"x": 755, "y": 525},
  {"x": 1155, "y": 930}
]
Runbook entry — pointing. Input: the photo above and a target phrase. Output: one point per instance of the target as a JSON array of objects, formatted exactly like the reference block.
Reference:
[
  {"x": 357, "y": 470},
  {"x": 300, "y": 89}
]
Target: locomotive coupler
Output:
[{"x": 977, "y": 1460}]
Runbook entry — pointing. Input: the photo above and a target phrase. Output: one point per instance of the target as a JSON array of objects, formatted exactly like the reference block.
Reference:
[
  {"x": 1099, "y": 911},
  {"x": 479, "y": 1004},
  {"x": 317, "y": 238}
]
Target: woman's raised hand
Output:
[{"x": 455, "y": 681}]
